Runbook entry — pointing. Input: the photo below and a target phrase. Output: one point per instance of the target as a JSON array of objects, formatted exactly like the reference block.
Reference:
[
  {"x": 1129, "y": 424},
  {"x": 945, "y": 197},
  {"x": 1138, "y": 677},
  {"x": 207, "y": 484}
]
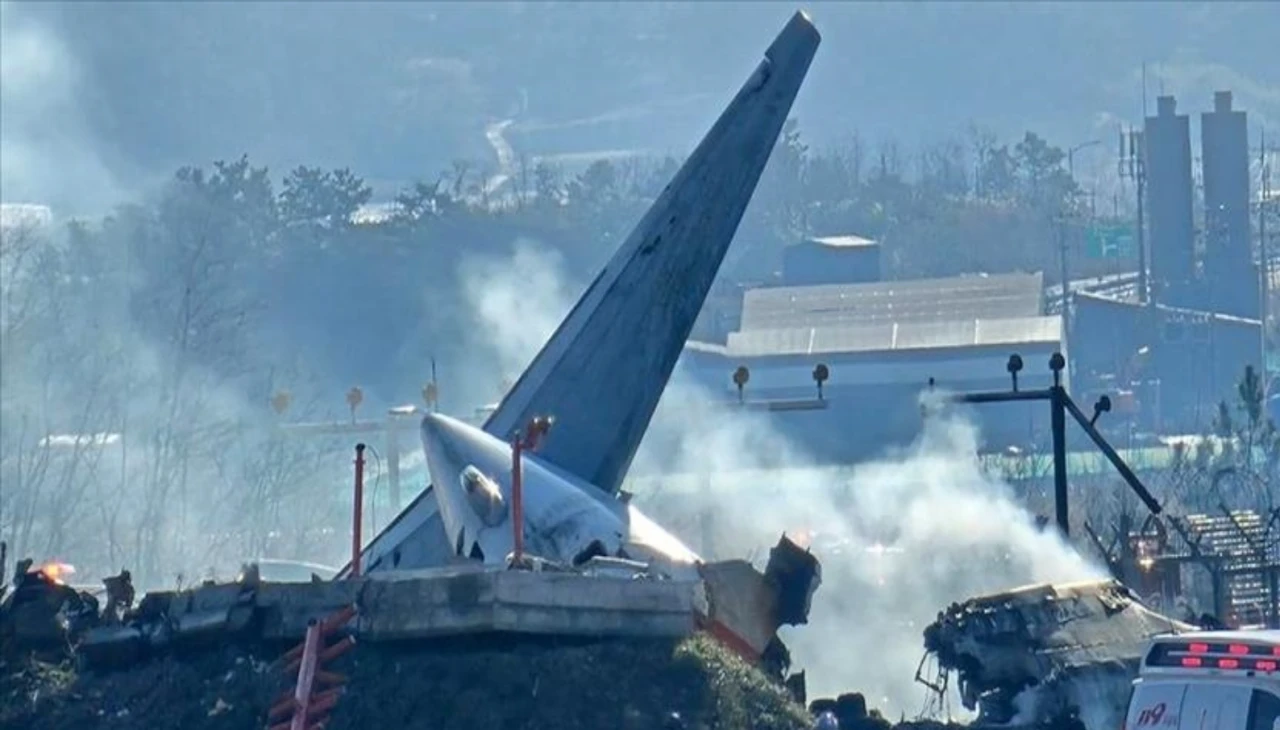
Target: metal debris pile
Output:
[
  {"x": 1047, "y": 651},
  {"x": 41, "y": 612}
]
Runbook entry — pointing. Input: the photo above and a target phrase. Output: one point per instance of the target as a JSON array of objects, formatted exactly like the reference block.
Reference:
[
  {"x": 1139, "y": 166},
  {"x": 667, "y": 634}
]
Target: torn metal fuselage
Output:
[
  {"x": 42, "y": 612},
  {"x": 569, "y": 523},
  {"x": 746, "y": 608},
  {"x": 1045, "y": 652},
  {"x": 602, "y": 372}
]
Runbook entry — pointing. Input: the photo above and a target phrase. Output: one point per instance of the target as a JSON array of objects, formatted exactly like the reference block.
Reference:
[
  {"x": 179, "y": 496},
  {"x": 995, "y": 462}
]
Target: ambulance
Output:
[{"x": 1208, "y": 680}]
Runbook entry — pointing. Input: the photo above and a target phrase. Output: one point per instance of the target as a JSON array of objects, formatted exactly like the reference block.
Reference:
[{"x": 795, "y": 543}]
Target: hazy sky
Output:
[{"x": 99, "y": 98}]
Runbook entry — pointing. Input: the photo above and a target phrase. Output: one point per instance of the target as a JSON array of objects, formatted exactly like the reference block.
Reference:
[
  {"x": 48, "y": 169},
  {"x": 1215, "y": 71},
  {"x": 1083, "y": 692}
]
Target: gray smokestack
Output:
[
  {"x": 1228, "y": 260},
  {"x": 1167, "y": 140},
  {"x": 1222, "y": 101}
]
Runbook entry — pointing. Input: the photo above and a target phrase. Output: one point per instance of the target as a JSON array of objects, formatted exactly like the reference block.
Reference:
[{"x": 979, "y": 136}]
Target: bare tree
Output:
[
  {"x": 524, "y": 189},
  {"x": 461, "y": 175}
]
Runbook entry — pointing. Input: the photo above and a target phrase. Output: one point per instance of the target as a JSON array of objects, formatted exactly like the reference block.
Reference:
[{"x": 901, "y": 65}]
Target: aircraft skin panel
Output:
[
  {"x": 601, "y": 373},
  {"x": 471, "y": 476},
  {"x": 426, "y": 546}
]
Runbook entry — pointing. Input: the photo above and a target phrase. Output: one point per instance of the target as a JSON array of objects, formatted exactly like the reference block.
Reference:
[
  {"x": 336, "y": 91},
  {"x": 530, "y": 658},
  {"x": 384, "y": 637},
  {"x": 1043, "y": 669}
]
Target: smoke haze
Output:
[
  {"x": 900, "y": 539},
  {"x": 48, "y": 151},
  {"x": 169, "y": 459}
]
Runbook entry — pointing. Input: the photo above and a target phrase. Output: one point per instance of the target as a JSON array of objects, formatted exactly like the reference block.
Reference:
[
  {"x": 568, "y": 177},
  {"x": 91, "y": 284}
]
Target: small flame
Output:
[
  {"x": 802, "y": 538},
  {"x": 56, "y": 572}
]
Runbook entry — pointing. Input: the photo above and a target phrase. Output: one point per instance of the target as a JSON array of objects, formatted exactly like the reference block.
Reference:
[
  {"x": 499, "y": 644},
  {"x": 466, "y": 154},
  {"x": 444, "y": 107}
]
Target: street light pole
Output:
[
  {"x": 1062, "y": 227},
  {"x": 1133, "y": 166},
  {"x": 1264, "y": 258},
  {"x": 1071, "y": 155}
]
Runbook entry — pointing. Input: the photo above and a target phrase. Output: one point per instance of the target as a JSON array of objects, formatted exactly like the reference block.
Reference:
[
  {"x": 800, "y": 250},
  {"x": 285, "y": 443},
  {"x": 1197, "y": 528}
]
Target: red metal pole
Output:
[
  {"x": 357, "y": 512},
  {"x": 517, "y": 498}
]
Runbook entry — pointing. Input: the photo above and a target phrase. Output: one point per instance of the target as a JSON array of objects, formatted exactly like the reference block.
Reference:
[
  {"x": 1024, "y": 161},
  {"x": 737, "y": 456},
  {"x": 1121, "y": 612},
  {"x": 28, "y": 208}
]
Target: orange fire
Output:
[
  {"x": 55, "y": 571},
  {"x": 802, "y": 538}
]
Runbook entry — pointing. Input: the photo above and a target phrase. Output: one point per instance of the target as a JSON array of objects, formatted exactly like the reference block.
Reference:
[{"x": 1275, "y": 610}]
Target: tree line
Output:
[{"x": 141, "y": 350}]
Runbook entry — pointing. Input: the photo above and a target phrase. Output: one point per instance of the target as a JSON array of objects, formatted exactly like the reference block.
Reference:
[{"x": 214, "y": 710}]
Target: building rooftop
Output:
[
  {"x": 16, "y": 215},
  {"x": 849, "y": 241},
  {"x": 974, "y": 297},
  {"x": 893, "y": 336},
  {"x": 1183, "y": 314}
]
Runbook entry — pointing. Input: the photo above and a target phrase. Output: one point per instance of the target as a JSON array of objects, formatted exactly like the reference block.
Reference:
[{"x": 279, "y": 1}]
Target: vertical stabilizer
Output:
[{"x": 602, "y": 372}]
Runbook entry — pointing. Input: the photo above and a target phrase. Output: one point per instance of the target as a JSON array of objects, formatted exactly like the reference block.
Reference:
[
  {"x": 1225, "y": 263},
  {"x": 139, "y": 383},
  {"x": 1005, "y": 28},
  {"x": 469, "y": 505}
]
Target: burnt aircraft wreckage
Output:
[
  {"x": 1046, "y": 653},
  {"x": 595, "y": 384},
  {"x": 600, "y": 375}
]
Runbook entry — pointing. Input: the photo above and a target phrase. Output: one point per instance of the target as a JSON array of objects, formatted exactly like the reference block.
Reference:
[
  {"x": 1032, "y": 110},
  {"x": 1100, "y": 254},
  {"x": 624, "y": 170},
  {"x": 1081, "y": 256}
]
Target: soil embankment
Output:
[{"x": 495, "y": 683}]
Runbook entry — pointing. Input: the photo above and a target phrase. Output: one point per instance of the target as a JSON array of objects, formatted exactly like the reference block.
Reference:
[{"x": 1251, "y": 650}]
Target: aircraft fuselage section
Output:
[{"x": 564, "y": 520}]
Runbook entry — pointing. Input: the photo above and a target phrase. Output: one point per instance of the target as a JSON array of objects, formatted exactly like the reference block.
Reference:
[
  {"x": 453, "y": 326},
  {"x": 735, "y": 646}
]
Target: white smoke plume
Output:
[
  {"x": 516, "y": 302},
  {"x": 900, "y": 538},
  {"x": 49, "y": 155}
]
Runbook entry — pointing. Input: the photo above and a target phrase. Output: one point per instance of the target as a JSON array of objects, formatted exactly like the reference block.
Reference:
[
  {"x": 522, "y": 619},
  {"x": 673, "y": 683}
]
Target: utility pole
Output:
[
  {"x": 1141, "y": 174},
  {"x": 1133, "y": 166},
  {"x": 1264, "y": 256},
  {"x": 1069, "y": 209},
  {"x": 1066, "y": 283}
]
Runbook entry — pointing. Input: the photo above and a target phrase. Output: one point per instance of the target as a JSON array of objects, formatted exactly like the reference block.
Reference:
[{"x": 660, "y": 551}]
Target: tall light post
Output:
[
  {"x": 1264, "y": 257},
  {"x": 1071, "y": 155},
  {"x": 1071, "y": 162},
  {"x": 1133, "y": 166},
  {"x": 1062, "y": 227}
]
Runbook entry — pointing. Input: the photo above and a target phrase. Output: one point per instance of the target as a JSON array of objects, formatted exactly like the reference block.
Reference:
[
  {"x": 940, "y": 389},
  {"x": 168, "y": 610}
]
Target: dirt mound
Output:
[
  {"x": 223, "y": 690},
  {"x": 499, "y": 682}
]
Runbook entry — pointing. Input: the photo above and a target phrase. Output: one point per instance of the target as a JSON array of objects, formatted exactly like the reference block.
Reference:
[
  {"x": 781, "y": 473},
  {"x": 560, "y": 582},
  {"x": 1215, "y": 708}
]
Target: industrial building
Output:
[
  {"x": 1166, "y": 359},
  {"x": 1175, "y": 364},
  {"x": 1221, "y": 275},
  {"x": 831, "y": 260},
  {"x": 881, "y": 343},
  {"x": 1177, "y": 356},
  {"x": 1209, "y": 266}
]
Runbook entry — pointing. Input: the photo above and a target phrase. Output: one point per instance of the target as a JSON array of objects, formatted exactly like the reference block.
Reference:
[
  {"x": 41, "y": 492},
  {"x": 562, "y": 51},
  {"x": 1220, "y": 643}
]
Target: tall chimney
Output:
[
  {"x": 1167, "y": 155},
  {"x": 1222, "y": 101},
  {"x": 1228, "y": 258}
]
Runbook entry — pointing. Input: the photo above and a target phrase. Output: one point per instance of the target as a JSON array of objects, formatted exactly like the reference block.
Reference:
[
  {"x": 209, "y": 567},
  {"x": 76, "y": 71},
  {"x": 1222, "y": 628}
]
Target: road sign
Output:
[{"x": 1109, "y": 242}]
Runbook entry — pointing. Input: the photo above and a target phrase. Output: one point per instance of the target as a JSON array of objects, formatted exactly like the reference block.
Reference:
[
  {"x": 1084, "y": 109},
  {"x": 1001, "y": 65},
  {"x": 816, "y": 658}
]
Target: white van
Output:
[{"x": 1208, "y": 680}]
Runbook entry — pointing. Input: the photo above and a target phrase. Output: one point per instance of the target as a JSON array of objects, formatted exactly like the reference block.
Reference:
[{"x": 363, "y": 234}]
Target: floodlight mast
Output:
[{"x": 1060, "y": 404}]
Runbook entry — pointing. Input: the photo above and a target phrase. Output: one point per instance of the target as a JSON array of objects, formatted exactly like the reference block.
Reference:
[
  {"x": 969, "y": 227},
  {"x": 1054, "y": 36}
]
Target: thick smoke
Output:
[
  {"x": 900, "y": 538},
  {"x": 117, "y": 450},
  {"x": 49, "y": 155},
  {"x": 136, "y": 432}
]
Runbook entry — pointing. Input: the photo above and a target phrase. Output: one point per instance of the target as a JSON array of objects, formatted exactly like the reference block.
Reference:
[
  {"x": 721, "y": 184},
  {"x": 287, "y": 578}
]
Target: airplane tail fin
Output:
[{"x": 602, "y": 372}]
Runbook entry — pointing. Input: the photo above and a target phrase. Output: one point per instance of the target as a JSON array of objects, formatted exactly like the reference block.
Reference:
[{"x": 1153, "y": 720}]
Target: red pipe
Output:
[
  {"x": 517, "y": 498},
  {"x": 357, "y": 512}
]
